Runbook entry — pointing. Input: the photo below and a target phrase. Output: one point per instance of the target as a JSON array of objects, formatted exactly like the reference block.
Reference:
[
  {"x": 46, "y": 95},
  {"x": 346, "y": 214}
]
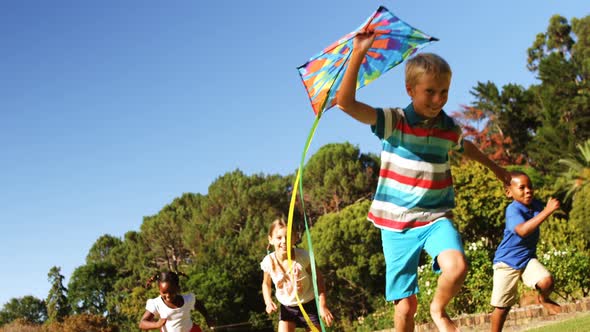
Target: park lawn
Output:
[{"x": 579, "y": 323}]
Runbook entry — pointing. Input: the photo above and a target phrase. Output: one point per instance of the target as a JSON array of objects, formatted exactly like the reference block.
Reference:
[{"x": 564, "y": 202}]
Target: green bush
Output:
[
  {"x": 475, "y": 294},
  {"x": 381, "y": 318},
  {"x": 580, "y": 214},
  {"x": 569, "y": 268},
  {"x": 480, "y": 203}
]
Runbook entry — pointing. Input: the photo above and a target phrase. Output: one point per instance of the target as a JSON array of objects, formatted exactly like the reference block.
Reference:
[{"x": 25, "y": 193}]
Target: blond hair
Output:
[
  {"x": 279, "y": 222},
  {"x": 426, "y": 63}
]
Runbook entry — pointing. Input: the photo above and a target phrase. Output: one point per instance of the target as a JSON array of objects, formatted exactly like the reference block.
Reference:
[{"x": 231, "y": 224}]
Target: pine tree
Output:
[{"x": 57, "y": 301}]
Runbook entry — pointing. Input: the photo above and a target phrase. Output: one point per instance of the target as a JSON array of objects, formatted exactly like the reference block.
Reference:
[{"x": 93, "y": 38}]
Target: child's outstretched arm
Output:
[
  {"x": 267, "y": 293},
  {"x": 346, "y": 95},
  {"x": 324, "y": 312},
  {"x": 526, "y": 228},
  {"x": 471, "y": 151}
]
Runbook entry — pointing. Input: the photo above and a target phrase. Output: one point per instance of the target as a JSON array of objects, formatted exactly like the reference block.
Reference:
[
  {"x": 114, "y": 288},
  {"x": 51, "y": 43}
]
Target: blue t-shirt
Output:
[{"x": 514, "y": 250}]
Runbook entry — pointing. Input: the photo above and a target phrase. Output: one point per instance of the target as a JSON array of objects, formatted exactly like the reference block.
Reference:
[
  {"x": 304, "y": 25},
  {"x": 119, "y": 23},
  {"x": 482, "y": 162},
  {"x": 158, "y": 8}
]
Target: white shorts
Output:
[{"x": 505, "y": 289}]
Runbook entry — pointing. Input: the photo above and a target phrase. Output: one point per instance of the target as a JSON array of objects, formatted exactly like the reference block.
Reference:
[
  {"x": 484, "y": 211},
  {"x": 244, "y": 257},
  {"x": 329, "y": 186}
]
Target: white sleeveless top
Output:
[{"x": 287, "y": 283}]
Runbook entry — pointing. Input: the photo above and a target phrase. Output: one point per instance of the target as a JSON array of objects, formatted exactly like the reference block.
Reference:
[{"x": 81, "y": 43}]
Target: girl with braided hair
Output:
[{"x": 172, "y": 308}]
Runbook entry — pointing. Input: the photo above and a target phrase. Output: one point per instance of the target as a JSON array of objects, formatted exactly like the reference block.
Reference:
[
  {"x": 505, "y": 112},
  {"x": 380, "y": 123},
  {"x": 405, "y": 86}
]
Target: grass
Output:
[{"x": 580, "y": 323}]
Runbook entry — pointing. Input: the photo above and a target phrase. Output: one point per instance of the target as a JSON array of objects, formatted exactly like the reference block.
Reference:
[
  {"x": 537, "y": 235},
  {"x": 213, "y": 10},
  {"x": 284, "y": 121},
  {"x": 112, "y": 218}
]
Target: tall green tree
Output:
[
  {"x": 28, "y": 308},
  {"x": 491, "y": 121},
  {"x": 125, "y": 301},
  {"x": 57, "y": 301},
  {"x": 134, "y": 265},
  {"x": 164, "y": 233},
  {"x": 544, "y": 121},
  {"x": 90, "y": 286},
  {"x": 102, "y": 248},
  {"x": 336, "y": 176},
  {"x": 563, "y": 96},
  {"x": 231, "y": 224},
  {"x": 348, "y": 253}
]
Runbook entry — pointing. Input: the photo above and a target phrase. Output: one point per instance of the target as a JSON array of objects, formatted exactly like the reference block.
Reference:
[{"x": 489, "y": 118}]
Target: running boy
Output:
[
  {"x": 516, "y": 256},
  {"x": 414, "y": 195}
]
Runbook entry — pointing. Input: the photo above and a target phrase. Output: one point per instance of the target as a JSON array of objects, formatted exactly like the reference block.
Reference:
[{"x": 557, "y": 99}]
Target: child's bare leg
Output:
[
  {"x": 285, "y": 326},
  {"x": 545, "y": 287},
  {"x": 405, "y": 309},
  {"x": 454, "y": 270},
  {"x": 498, "y": 318}
]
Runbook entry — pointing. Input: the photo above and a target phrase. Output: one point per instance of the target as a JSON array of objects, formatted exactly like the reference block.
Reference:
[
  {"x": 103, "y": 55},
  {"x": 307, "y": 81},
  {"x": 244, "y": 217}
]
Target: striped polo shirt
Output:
[{"x": 415, "y": 185}]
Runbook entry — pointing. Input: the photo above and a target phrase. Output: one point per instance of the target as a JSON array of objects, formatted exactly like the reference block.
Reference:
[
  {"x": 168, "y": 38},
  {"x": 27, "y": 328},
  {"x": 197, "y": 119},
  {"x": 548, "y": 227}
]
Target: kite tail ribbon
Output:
[{"x": 299, "y": 184}]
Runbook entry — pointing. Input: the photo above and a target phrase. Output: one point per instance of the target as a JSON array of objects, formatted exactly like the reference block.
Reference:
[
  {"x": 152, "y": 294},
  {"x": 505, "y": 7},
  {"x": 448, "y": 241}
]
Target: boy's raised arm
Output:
[{"x": 346, "y": 95}]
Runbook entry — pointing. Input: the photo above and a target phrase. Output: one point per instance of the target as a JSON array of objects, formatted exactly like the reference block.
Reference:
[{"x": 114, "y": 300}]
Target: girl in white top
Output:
[
  {"x": 173, "y": 309},
  {"x": 291, "y": 284}
]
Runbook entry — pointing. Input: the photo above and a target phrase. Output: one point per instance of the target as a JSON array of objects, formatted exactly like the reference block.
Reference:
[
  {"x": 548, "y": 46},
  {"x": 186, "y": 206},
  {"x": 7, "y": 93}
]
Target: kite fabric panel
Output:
[{"x": 395, "y": 41}]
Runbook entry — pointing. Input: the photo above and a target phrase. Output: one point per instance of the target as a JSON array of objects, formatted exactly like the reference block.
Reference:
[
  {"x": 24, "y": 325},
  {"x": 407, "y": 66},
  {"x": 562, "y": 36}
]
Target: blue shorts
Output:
[{"x": 402, "y": 254}]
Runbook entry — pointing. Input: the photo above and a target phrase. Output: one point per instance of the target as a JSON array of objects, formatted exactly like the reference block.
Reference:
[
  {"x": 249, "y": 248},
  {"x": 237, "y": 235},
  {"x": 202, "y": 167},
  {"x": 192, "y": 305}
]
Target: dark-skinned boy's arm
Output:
[
  {"x": 346, "y": 95},
  {"x": 528, "y": 227},
  {"x": 472, "y": 152}
]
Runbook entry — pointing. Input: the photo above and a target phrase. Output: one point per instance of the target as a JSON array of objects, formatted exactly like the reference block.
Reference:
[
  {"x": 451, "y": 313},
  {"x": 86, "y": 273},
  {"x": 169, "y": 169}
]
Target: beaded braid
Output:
[
  {"x": 165, "y": 277},
  {"x": 153, "y": 278}
]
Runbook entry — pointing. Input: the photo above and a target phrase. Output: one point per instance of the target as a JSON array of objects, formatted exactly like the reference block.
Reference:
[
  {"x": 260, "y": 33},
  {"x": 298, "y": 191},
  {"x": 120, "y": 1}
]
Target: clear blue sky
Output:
[{"x": 111, "y": 109}]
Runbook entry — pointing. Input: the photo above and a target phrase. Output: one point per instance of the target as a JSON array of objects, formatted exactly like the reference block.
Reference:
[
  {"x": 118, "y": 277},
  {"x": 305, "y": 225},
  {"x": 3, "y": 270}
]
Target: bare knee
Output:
[
  {"x": 546, "y": 284},
  {"x": 285, "y": 326},
  {"x": 405, "y": 309},
  {"x": 502, "y": 310},
  {"x": 453, "y": 264}
]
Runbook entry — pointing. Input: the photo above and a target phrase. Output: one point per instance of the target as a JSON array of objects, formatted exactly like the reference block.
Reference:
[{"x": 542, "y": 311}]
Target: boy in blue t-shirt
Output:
[{"x": 516, "y": 256}]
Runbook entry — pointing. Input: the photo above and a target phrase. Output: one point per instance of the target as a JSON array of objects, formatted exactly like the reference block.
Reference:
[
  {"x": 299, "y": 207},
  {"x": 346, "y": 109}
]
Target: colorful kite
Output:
[
  {"x": 395, "y": 40},
  {"x": 322, "y": 75}
]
